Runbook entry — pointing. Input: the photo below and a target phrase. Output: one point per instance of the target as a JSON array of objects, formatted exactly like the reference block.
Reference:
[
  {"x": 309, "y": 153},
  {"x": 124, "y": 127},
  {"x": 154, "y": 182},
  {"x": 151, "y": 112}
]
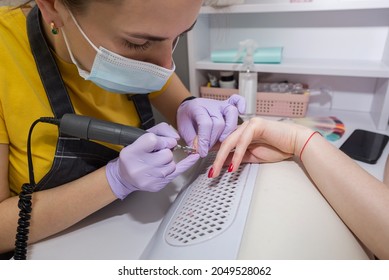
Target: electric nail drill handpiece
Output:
[{"x": 93, "y": 129}]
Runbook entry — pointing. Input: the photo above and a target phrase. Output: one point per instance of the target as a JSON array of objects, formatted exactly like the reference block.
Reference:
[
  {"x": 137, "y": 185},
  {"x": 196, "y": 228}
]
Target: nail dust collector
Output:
[{"x": 207, "y": 219}]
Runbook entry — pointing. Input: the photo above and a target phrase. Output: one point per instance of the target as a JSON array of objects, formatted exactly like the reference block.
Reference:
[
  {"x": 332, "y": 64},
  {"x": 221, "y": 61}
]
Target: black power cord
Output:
[
  {"x": 82, "y": 127},
  {"x": 25, "y": 198}
]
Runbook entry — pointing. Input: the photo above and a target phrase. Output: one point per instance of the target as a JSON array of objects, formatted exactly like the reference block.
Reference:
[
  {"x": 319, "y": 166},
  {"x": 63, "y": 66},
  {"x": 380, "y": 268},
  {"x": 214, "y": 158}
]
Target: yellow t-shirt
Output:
[{"x": 23, "y": 100}]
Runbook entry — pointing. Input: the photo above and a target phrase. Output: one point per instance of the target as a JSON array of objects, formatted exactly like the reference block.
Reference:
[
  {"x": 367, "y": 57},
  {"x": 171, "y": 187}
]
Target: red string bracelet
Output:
[{"x": 306, "y": 143}]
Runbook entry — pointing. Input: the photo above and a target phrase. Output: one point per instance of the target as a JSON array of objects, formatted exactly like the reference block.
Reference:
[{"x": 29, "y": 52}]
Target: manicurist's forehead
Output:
[{"x": 155, "y": 19}]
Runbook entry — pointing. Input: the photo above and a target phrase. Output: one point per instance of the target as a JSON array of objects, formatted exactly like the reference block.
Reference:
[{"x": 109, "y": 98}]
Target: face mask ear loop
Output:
[
  {"x": 83, "y": 33},
  {"x": 68, "y": 47},
  {"x": 83, "y": 73},
  {"x": 175, "y": 44}
]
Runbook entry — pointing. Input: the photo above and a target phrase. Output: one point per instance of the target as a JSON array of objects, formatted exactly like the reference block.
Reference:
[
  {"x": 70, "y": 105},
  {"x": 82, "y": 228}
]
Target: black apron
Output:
[{"x": 74, "y": 157}]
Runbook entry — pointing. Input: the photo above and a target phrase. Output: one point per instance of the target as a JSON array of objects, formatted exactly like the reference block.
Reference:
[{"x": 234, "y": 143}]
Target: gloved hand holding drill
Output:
[{"x": 147, "y": 164}]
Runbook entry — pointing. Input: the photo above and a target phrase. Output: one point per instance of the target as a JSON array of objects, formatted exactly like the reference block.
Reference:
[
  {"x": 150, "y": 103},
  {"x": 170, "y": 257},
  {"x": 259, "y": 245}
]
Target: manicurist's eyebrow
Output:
[{"x": 149, "y": 37}]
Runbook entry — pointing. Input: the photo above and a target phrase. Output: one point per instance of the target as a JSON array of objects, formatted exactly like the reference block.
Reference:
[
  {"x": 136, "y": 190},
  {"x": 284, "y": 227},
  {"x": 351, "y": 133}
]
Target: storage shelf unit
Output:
[
  {"x": 266, "y": 6},
  {"x": 338, "y": 43},
  {"x": 374, "y": 69}
]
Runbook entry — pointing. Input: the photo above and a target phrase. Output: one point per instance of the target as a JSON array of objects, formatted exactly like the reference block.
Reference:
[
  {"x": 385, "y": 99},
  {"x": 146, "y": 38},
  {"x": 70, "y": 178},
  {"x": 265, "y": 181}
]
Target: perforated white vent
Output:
[
  {"x": 207, "y": 219},
  {"x": 208, "y": 208}
]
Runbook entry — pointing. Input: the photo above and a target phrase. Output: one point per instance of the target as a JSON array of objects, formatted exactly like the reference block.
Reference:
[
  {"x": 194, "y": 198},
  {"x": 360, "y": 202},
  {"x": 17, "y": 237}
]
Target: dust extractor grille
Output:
[
  {"x": 207, "y": 219},
  {"x": 208, "y": 208}
]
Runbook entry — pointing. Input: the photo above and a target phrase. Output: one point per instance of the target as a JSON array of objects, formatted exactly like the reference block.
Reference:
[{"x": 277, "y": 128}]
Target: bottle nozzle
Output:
[{"x": 247, "y": 49}]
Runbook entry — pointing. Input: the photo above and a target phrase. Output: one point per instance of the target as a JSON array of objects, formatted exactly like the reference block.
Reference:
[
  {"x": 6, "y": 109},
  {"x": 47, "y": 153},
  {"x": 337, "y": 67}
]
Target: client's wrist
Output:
[{"x": 303, "y": 141}]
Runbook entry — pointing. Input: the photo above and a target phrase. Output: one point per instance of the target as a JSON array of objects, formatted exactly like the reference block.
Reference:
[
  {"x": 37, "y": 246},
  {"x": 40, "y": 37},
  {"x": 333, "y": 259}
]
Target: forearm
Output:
[
  {"x": 56, "y": 209},
  {"x": 360, "y": 199}
]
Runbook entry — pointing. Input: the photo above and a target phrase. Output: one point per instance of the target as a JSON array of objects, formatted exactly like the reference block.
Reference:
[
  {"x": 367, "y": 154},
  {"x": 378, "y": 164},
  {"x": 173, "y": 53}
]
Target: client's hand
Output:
[{"x": 260, "y": 140}]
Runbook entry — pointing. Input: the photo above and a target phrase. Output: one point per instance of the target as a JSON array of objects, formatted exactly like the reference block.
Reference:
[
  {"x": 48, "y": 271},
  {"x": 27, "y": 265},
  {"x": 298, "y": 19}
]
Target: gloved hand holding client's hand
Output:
[
  {"x": 209, "y": 120},
  {"x": 148, "y": 163}
]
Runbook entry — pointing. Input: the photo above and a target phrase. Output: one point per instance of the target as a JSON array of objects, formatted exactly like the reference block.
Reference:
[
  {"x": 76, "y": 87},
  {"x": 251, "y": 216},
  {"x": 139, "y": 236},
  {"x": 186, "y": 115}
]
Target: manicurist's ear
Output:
[{"x": 49, "y": 11}]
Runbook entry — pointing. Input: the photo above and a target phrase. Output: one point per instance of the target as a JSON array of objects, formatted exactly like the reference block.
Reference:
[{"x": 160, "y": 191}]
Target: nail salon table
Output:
[{"x": 287, "y": 219}]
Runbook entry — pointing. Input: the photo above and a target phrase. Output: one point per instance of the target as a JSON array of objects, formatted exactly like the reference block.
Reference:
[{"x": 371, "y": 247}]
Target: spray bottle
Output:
[{"x": 248, "y": 77}]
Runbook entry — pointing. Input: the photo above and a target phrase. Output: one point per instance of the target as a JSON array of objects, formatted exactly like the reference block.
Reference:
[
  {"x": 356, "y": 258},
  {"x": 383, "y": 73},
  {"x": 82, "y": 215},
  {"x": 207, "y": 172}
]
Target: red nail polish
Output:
[
  {"x": 210, "y": 173},
  {"x": 230, "y": 167}
]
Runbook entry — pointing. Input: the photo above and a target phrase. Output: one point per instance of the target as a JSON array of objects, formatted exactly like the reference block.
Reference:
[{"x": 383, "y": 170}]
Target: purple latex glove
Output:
[
  {"x": 147, "y": 164},
  {"x": 210, "y": 120}
]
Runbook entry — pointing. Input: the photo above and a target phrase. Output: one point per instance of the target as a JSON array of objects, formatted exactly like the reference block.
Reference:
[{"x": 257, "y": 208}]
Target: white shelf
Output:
[
  {"x": 329, "y": 5},
  {"x": 342, "y": 45},
  {"x": 373, "y": 69}
]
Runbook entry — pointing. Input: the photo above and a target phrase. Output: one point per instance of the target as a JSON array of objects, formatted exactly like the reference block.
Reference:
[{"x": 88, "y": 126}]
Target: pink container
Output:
[{"x": 268, "y": 103}]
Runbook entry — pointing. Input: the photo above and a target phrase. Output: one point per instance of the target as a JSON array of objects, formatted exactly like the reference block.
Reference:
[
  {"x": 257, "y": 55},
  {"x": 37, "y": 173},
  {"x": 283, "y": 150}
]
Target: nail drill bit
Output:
[{"x": 186, "y": 149}]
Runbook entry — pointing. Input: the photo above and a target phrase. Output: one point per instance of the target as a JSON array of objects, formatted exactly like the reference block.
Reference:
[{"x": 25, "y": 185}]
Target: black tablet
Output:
[{"x": 365, "y": 145}]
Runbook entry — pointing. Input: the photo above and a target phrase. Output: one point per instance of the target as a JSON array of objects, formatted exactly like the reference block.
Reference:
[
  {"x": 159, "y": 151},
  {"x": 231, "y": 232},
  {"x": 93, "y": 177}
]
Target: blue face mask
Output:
[{"x": 119, "y": 74}]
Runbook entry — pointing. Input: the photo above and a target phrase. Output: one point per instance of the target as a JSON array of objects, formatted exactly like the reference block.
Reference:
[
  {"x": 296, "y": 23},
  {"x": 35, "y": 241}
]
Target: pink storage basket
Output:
[
  {"x": 217, "y": 93},
  {"x": 268, "y": 103}
]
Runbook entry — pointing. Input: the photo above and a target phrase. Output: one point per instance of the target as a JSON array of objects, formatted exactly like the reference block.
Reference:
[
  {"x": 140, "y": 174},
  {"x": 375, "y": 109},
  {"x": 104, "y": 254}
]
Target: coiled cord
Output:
[
  {"x": 25, "y": 206},
  {"x": 25, "y": 198}
]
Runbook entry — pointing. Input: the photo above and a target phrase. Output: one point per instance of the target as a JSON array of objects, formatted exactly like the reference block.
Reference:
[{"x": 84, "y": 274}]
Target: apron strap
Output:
[
  {"x": 48, "y": 70},
  {"x": 144, "y": 109}
]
